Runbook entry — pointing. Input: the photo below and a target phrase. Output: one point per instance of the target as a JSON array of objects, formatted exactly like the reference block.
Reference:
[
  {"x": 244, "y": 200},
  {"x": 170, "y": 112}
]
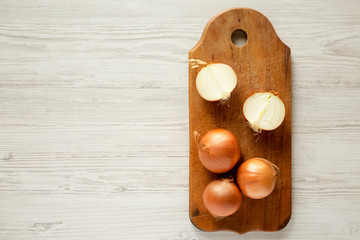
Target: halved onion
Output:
[
  {"x": 264, "y": 111},
  {"x": 216, "y": 81}
]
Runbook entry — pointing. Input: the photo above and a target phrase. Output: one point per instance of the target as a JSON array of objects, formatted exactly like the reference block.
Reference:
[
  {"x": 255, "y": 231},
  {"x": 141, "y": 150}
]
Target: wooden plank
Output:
[
  {"x": 94, "y": 118},
  {"x": 262, "y": 64}
]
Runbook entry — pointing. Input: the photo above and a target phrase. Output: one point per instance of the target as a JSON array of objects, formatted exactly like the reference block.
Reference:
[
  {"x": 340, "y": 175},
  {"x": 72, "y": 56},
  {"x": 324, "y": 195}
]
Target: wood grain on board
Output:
[
  {"x": 261, "y": 64},
  {"x": 94, "y": 118}
]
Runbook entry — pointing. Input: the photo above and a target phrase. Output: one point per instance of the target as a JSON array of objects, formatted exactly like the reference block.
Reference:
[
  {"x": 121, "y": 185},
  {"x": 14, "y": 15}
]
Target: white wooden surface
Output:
[{"x": 94, "y": 117}]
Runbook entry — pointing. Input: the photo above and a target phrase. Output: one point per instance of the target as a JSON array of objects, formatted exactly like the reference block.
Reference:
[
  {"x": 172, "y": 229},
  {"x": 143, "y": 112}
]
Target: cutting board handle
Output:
[{"x": 220, "y": 28}]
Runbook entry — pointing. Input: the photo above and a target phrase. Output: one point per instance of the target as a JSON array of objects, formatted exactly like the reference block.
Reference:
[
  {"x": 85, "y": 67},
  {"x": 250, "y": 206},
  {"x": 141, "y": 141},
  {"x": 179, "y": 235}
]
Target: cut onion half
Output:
[
  {"x": 216, "y": 81},
  {"x": 264, "y": 111}
]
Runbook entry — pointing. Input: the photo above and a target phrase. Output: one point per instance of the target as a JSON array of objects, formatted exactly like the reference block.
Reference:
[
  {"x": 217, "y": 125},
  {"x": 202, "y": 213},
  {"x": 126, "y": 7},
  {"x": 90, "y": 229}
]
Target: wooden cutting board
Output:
[{"x": 261, "y": 64}]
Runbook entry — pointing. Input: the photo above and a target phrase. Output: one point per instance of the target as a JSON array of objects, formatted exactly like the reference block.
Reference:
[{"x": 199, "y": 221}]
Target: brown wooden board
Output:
[{"x": 261, "y": 64}]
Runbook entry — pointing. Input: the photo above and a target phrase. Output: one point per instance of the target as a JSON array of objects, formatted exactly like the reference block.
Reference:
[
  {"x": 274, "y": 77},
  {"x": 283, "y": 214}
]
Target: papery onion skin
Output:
[
  {"x": 218, "y": 150},
  {"x": 256, "y": 177},
  {"x": 222, "y": 198}
]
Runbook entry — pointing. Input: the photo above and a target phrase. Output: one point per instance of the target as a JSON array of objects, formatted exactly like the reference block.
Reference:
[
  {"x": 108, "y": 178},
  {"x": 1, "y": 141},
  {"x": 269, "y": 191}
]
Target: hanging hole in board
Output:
[{"x": 239, "y": 37}]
